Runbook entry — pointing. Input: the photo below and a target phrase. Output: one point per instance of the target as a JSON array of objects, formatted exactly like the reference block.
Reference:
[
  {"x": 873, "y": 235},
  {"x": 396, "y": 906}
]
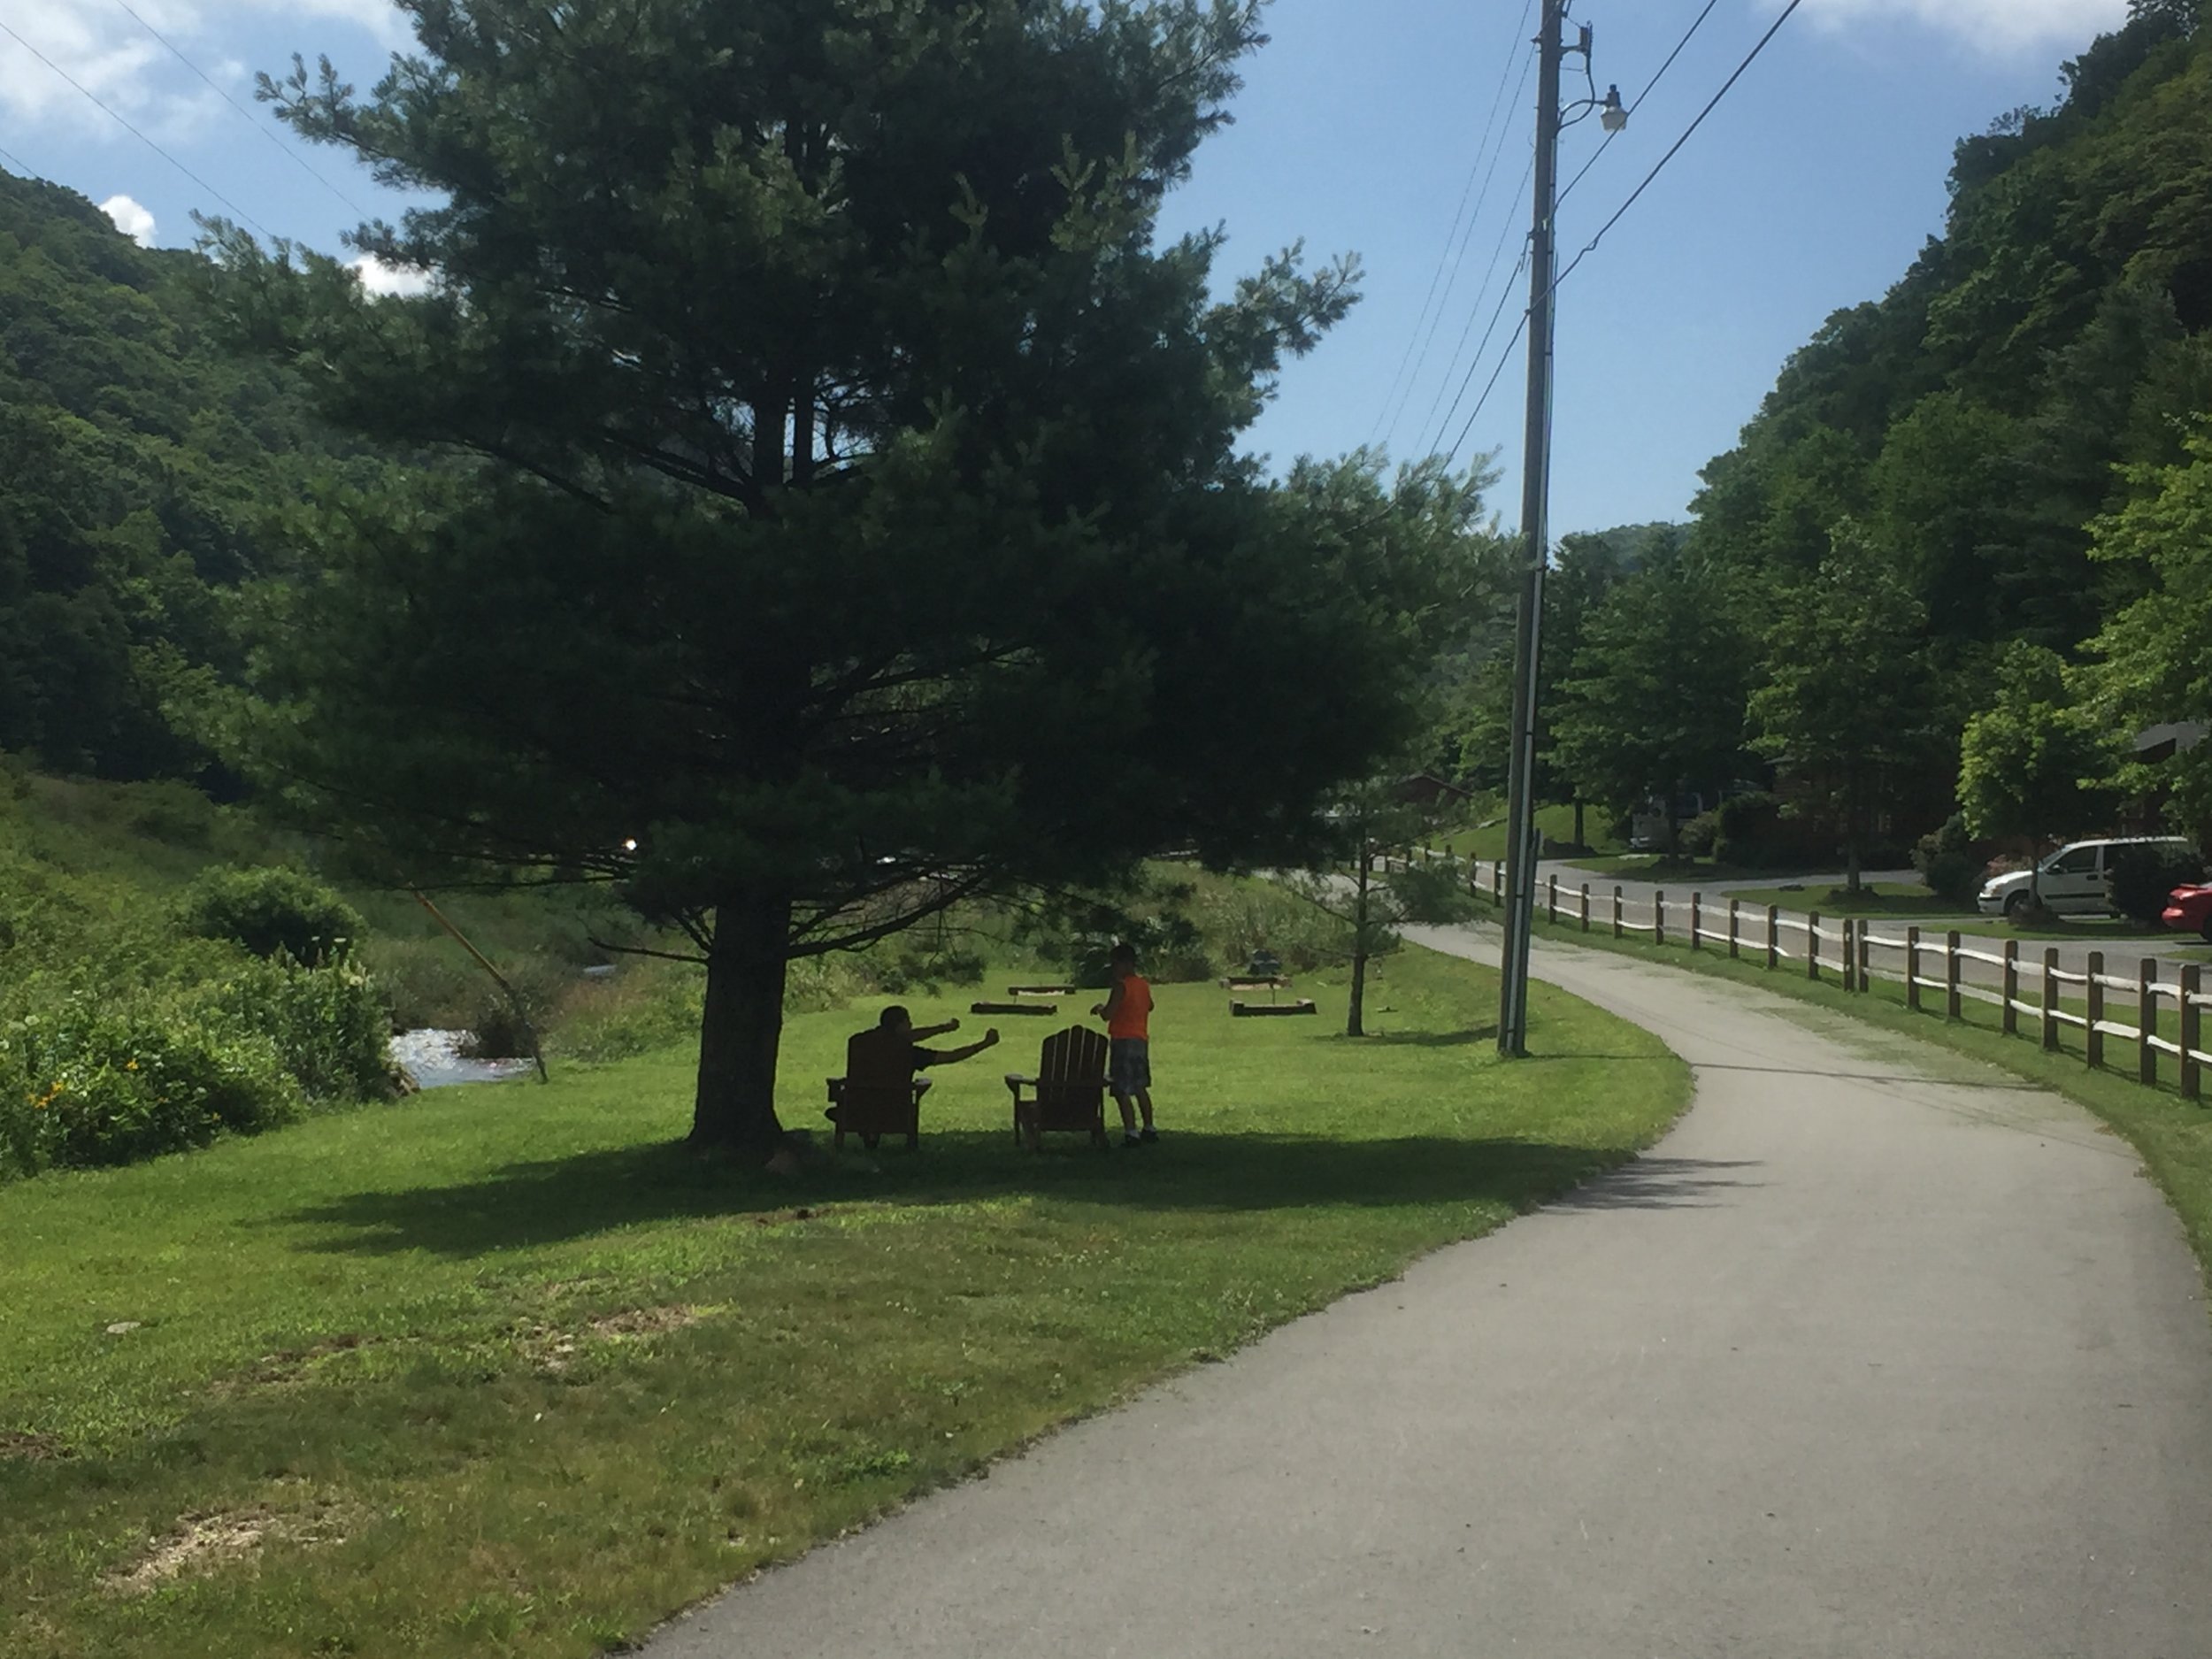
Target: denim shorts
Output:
[{"x": 1129, "y": 1065}]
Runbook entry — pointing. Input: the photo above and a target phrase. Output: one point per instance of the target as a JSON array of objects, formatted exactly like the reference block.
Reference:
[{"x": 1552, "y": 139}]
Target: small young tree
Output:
[
  {"x": 2034, "y": 764},
  {"x": 1368, "y": 896}
]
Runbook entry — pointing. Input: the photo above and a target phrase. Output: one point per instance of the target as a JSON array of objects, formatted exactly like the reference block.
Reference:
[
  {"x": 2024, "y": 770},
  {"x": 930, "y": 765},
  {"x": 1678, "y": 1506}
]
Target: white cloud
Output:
[
  {"x": 382, "y": 279},
  {"x": 131, "y": 219},
  {"x": 1990, "y": 27},
  {"x": 98, "y": 44}
]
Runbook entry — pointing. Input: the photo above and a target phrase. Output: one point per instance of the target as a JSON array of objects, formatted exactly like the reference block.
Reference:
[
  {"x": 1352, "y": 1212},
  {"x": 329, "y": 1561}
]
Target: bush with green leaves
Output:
[
  {"x": 270, "y": 909},
  {"x": 327, "y": 1026},
  {"x": 2145, "y": 872},
  {"x": 1948, "y": 862},
  {"x": 88, "y": 1085}
]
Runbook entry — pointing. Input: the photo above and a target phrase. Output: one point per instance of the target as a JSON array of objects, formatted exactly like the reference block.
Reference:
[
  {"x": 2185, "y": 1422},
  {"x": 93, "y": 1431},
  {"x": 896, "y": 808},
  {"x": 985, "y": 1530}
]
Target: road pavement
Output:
[{"x": 1875, "y": 1354}]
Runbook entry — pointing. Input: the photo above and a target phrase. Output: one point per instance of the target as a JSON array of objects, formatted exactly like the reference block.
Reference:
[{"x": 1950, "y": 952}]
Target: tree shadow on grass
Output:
[
  {"x": 561, "y": 1200},
  {"x": 1431, "y": 1039}
]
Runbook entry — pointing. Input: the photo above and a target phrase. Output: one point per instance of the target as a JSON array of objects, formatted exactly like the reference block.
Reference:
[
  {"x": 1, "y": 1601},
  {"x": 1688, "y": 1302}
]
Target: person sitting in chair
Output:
[{"x": 895, "y": 1029}]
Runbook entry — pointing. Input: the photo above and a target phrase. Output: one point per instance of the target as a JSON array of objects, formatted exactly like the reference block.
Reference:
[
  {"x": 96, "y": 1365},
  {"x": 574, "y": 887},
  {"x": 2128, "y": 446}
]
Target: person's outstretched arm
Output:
[{"x": 946, "y": 1056}]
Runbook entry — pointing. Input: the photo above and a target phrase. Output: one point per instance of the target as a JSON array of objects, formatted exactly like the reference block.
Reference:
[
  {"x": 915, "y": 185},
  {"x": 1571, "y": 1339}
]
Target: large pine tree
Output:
[{"x": 848, "y": 516}]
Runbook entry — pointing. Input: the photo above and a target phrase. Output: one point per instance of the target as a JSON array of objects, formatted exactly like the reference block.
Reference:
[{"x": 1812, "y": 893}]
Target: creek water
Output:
[{"x": 433, "y": 1059}]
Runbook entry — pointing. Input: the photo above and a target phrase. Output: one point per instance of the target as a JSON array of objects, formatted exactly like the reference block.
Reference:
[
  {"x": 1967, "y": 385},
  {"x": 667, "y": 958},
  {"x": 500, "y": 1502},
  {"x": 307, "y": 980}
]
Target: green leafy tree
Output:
[
  {"x": 847, "y": 518},
  {"x": 1847, "y": 707},
  {"x": 1656, "y": 696},
  {"x": 2035, "y": 763},
  {"x": 2155, "y": 655}
]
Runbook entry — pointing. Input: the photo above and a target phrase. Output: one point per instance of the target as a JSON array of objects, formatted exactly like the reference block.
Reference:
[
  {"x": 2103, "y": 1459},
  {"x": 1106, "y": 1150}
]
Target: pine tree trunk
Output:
[
  {"x": 1851, "y": 864},
  {"x": 1578, "y": 841},
  {"x": 1356, "y": 1007},
  {"x": 742, "y": 1028}
]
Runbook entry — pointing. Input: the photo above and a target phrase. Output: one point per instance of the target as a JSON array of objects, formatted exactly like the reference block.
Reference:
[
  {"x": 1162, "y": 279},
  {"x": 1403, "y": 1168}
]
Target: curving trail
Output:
[{"x": 1876, "y": 1354}]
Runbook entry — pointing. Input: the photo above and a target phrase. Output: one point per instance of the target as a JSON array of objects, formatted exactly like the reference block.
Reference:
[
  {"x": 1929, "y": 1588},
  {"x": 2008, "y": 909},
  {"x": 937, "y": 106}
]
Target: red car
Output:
[{"x": 2190, "y": 908}]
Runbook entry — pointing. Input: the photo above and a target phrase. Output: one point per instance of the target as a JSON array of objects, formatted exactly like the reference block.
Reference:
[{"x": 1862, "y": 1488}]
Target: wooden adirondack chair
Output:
[
  {"x": 1069, "y": 1091},
  {"x": 878, "y": 1095}
]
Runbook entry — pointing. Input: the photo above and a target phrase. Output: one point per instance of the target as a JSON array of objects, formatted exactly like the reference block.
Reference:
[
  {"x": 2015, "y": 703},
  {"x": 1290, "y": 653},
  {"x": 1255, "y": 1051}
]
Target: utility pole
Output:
[{"x": 1520, "y": 853}]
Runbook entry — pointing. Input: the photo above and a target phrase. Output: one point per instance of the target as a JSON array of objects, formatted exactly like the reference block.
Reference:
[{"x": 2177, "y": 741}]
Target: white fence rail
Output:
[{"x": 2167, "y": 1001}]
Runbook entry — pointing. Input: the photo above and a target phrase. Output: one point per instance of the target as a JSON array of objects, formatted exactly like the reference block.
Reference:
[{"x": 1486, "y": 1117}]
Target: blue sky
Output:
[{"x": 1811, "y": 187}]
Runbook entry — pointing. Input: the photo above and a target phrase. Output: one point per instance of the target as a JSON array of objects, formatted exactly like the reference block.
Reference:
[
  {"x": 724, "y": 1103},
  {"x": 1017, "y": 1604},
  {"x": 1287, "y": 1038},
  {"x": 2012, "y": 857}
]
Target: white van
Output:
[{"x": 2074, "y": 880}]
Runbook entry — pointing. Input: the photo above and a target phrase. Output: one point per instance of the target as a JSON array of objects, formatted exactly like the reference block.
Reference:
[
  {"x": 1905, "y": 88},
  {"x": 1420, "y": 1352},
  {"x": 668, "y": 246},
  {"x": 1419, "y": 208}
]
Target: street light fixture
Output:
[{"x": 1613, "y": 114}]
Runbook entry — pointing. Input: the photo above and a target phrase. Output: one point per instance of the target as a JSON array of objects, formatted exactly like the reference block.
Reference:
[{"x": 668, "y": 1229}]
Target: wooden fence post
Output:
[
  {"x": 1697, "y": 918},
  {"x": 2096, "y": 1007},
  {"x": 1586, "y": 906},
  {"x": 2192, "y": 1031},
  {"x": 1774, "y": 937},
  {"x": 1551, "y": 898},
  {"x": 1912, "y": 968},
  {"x": 1497, "y": 883},
  {"x": 2010, "y": 1021},
  {"x": 1658, "y": 915},
  {"x": 1853, "y": 928},
  {"x": 2147, "y": 1022},
  {"x": 1735, "y": 928},
  {"x": 1617, "y": 912},
  {"x": 1812, "y": 945},
  {"x": 1952, "y": 1005},
  {"x": 1866, "y": 956},
  {"x": 2050, "y": 997}
]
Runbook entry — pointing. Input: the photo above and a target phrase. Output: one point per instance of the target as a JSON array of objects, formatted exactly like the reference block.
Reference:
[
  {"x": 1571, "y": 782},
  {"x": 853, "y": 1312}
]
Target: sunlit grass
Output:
[{"x": 504, "y": 1370}]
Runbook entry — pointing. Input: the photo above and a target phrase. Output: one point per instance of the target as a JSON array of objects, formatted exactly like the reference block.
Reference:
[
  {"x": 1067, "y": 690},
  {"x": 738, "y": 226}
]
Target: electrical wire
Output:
[
  {"x": 1429, "y": 422},
  {"x": 1493, "y": 130},
  {"x": 1482, "y": 288},
  {"x": 1506, "y": 356},
  {"x": 1641, "y": 96},
  {"x": 14, "y": 163},
  {"x": 1475, "y": 414},
  {"x": 261, "y": 128},
  {"x": 1675, "y": 149},
  {"x": 134, "y": 133}
]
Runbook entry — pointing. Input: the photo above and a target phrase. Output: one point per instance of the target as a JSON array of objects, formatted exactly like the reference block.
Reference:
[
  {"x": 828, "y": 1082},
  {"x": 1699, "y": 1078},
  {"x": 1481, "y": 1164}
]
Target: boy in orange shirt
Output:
[{"x": 1127, "y": 1011}]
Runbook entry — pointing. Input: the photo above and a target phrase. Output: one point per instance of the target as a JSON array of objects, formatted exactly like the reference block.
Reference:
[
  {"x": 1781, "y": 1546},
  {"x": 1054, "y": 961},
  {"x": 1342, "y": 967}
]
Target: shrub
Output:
[
  {"x": 1700, "y": 836},
  {"x": 89, "y": 1086},
  {"x": 1746, "y": 830},
  {"x": 1946, "y": 863},
  {"x": 270, "y": 909},
  {"x": 327, "y": 1026},
  {"x": 2142, "y": 876}
]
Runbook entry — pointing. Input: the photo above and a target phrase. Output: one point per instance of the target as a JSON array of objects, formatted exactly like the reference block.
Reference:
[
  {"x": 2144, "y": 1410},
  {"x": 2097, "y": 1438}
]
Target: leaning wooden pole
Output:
[{"x": 514, "y": 1000}]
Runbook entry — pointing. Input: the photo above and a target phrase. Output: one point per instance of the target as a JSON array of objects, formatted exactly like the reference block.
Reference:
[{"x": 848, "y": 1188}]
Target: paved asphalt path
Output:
[{"x": 1875, "y": 1355}]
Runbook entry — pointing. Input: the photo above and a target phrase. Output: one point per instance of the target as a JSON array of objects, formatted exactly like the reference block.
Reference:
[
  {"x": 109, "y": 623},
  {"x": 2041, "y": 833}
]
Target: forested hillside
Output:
[
  {"x": 1961, "y": 526},
  {"x": 138, "y": 460}
]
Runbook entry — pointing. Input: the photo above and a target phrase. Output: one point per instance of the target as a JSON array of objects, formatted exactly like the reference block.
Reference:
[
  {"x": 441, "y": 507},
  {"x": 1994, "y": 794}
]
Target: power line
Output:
[
  {"x": 1622, "y": 210},
  {"x": 1506, "y": 357},
  {"x": 1475, "y": 414},
  {"x": 14, "y": 163},
  {"x": 1459, "y": 347},
  {"x": 1491, "y": 127},
  {"x": 261, "y": 128},
  {"x": 140, "y": 136},
  {"x": 1641, "y": 96}
]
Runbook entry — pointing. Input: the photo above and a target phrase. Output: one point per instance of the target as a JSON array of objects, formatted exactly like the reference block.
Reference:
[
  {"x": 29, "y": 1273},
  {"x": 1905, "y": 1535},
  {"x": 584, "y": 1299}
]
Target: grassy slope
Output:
[{"x": 502, "y": 1370}]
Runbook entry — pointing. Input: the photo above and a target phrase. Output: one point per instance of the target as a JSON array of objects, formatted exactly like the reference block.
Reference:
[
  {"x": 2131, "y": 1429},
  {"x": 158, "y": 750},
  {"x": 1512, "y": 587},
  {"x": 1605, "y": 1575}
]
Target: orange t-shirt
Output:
[{"x": 1134, "y": 1010}]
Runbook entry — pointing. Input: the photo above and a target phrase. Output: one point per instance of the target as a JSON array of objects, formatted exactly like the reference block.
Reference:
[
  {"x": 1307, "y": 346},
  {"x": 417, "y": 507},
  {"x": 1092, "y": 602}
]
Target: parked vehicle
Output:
[
  {"x": 2190, "y": 910},
  {"x": 2074, "y": 880}
]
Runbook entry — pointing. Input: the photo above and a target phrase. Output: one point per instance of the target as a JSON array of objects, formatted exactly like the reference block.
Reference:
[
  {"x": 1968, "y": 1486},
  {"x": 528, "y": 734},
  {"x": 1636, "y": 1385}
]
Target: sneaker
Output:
[
  {"x": 1127, "y": 1139},
  {"x": 1149, "y": 1135}
]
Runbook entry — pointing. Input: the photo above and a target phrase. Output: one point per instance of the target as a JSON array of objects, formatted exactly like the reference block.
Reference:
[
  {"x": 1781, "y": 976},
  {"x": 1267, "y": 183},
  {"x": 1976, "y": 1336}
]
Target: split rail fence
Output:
[{"x": 1940, "y": 972}]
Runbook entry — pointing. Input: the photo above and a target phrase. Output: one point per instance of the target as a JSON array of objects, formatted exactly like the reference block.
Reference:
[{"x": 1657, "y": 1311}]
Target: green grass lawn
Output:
[
  {"x": 1556, "y": 823},
  {"x": 2174, "y": 1136},
  {"x": 1906, "y": 900},
  {"x": 504, "y": 1371}
]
